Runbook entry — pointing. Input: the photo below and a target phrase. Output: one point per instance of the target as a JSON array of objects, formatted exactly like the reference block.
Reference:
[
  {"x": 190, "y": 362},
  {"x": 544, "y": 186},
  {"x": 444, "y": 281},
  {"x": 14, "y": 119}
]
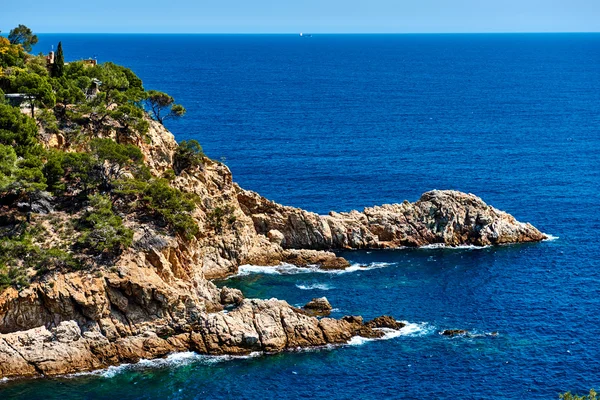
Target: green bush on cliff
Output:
[
  {"x": 18, "y": 131},
  {"x": 568, "y": 396},
  {"x": 83, "y": 105},
  {"x": 12, "y": 276},
  {"x": 188, "y": 155},
  {"x": 219, "y": 217},
  {"x": 102, "y": 230},
  {"x": 18, "y": 253},
  {"x": 166, "y": 205}
]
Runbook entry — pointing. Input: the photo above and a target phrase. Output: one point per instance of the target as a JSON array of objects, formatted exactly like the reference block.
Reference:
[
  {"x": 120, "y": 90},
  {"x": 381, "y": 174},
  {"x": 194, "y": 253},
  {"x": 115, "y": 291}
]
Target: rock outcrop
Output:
[
  {"x": 445, "y": 217},
  {"x": 319, "y": 306},
  {"x": 157, "y": 297},
  {"x": 255, "y": 326}
]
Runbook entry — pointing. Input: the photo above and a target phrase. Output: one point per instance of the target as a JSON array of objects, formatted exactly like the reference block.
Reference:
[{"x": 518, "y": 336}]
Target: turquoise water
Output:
[{"x": 347, "y": 121}]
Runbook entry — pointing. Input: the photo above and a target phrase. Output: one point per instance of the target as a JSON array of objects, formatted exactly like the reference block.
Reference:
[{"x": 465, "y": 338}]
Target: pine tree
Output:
[{"x": 58, "y": 68}]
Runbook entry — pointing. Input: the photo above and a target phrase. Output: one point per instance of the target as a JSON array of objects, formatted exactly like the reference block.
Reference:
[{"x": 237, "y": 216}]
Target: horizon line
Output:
[{"x": 315, "y": 33}]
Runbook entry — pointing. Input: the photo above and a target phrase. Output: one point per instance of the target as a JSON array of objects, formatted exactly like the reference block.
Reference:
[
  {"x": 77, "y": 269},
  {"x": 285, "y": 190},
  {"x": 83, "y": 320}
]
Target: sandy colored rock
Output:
[
  {"x": 231, "y": 296},
  {"x": 443, "y": 217},
  {"x": 318, "y": 307}
]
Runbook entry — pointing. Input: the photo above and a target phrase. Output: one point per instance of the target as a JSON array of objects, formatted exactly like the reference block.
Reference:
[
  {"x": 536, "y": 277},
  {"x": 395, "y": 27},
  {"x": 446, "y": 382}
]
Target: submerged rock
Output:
[{"x": 454, "y": 332}]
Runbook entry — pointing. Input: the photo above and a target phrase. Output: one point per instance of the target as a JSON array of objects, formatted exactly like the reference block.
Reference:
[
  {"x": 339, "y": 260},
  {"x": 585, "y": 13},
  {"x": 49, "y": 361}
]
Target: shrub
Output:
[
  {"x": 189, "y": 154},
  {"x": 12, "y": 276},
  {"x": 168, "y": 205},
  {"x": 568, "y": 396},
  {"x": 220, "y": 216},
  {"x": 18, "y": 130},
  {"x": 102, "y": 230}
]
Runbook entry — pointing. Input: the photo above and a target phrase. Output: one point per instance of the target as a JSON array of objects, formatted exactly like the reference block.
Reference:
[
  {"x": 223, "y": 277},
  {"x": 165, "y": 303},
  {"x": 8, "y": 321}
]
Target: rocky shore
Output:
[{"x": 158, "y": 298}]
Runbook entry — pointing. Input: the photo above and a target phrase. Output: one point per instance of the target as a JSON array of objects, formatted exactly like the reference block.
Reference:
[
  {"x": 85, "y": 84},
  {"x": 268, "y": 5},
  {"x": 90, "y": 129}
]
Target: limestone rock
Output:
[
  {"x": 385, "y": 321},
  {"x": 443, "y": 217},
  {"x": 276, "y": 237},
  {"x": 231, "y": 296},
  {"x": 318, "y": 307}
]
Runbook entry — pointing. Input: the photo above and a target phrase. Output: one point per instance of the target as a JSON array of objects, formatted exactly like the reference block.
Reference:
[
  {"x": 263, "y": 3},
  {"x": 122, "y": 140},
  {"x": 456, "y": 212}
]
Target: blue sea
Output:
[{"x": 340, "y": 122}]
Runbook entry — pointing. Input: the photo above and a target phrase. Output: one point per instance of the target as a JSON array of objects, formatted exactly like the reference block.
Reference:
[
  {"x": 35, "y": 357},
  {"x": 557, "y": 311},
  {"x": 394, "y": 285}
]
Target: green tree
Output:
[
  {"x": 58, "y": 68},
  {"x": 8, "y": 160},
  {"x": 80, "y": 171},
  {"x": 29, "y": 178},
  {"x": 19, "y": 131},
  {"x": 54, "y": 171},
  {"x": 103, "y": 230},
  {"x": 189, "y": 154},
  {"x": 24, "y": 36},
  {"x": 118, "y": 157},
  {"x": 36, "y": 87},
  {"x": 162, "y": 106}
]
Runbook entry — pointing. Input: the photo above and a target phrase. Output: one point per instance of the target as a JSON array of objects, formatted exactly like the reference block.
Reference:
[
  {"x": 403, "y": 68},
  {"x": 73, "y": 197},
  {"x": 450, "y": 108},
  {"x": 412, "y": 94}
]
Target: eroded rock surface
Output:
[
  {"x": 444, "y": 217},
  {"x": 319, "y": 306}
]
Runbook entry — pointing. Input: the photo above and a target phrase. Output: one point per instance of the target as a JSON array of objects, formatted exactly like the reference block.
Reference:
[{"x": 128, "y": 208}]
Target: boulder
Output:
[
  {"x": 385, "y": 321},
  {"x": 231, "y": 296},
  {"x": 318, "y": 307}
]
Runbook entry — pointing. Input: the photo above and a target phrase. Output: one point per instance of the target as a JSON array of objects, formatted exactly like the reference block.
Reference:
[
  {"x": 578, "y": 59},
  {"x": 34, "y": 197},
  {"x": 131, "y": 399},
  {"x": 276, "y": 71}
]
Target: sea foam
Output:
[
  {"x": 171, "y": 361},
  {"x": 289, "y": 269},
  {"x": 550, "y": 238},
  {"x": 409, "y": 329},
  {"x": 315, "y": 286}
]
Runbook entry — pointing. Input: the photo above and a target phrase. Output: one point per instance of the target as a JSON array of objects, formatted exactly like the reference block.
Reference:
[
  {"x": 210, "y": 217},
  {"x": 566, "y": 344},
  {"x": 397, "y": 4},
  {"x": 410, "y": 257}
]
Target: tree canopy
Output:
[
  {"x": 24, "y": 36},
  {"x": 162, "y": 106},
  {"x": 58, "y": 68}
]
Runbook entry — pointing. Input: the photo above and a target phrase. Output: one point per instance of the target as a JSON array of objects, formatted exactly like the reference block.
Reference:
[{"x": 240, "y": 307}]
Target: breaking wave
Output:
[
  {"x": 171, "y": 361},
  {"x": 315, "y": 286},
  {"x": 289, "y": 269},
  {"x": 409, "y": 330},
  {"x": 460, "y": 247}
]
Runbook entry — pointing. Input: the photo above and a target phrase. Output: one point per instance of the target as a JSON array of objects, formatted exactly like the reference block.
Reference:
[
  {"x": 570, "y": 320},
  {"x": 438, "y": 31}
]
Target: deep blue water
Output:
[{"x": 336, "y": 122}]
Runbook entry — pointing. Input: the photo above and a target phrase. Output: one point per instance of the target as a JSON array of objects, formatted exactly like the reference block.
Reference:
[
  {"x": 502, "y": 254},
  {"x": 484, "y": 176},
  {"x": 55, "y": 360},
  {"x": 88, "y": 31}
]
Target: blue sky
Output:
[{"x": 315, "y": 16}]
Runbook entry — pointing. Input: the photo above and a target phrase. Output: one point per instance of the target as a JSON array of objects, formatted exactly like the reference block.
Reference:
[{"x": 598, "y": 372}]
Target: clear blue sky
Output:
[{"x": 315, "y": 16}]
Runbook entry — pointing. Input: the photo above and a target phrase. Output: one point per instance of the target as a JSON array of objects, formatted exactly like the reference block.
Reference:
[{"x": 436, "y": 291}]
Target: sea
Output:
[{"x": 342, "y": 122}]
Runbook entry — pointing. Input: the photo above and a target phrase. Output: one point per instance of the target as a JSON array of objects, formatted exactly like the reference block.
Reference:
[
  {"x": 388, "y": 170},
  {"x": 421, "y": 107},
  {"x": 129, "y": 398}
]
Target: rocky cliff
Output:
[{"x": 157, "y": 297}]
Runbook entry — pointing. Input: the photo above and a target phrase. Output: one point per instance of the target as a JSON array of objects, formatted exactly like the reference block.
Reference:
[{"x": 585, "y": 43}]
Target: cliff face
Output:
[{"x": 157, "y": 297}]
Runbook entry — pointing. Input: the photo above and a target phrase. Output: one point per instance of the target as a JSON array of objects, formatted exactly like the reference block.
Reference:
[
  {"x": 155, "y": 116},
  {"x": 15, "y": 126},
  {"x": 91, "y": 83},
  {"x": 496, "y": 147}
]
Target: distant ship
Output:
[{"x": 305, "y": 34}]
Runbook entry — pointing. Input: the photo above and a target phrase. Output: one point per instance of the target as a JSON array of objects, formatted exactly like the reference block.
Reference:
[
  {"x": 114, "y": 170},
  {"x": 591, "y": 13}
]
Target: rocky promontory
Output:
[{"x": 157, "y": 297}]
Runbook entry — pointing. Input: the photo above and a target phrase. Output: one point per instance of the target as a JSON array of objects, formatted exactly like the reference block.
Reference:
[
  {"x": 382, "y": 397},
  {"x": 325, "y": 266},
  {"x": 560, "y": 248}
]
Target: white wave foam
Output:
[
  {"x": 171, "y": 361},
  {"x": 409, "y": 329},
  {"x": 460, "y": 247},
  {"x": 315, "y": 286},
  {"x": 412, "y": 329},
  {"x": 550, "y": 238},
  {"x": 289, "y": 269},
  {"x": 389, "y": 334}
]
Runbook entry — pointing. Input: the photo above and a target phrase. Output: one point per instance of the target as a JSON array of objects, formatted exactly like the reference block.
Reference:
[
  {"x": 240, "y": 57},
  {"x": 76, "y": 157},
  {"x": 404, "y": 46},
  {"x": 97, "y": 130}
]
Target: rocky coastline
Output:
[{"x": 157, "y": 297}]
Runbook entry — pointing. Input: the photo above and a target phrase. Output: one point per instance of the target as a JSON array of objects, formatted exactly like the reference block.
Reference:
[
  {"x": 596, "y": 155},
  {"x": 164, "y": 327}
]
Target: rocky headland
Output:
[{"x": 157, "y": 296}]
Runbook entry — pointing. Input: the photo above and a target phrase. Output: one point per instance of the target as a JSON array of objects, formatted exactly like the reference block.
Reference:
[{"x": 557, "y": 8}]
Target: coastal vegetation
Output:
[
  {"x": 568, "y": 396},
  {"x": 69, "y": 161}
]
